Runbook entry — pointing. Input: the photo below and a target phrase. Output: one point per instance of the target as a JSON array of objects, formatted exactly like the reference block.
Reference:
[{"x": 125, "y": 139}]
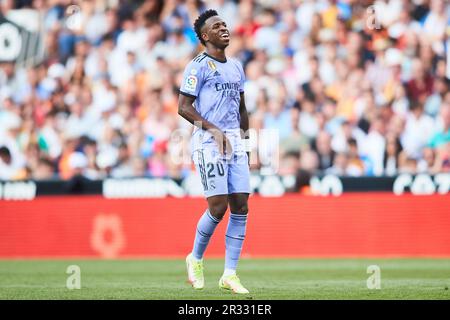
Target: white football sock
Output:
[{"x": 229, "y": 272}]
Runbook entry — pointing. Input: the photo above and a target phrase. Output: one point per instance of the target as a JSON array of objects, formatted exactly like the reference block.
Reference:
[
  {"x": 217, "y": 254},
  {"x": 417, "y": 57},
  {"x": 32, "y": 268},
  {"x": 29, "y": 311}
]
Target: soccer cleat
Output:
[
  {"x": 232, "y": 283},
  {"x": 195, "y": 272}
]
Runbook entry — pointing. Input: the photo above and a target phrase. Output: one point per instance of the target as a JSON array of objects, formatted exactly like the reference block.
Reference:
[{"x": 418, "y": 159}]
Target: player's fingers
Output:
[
  {"x": 222, "y": 147},
  {"x": 227, "y": 146},
  {"x": 218, "y": 138}
]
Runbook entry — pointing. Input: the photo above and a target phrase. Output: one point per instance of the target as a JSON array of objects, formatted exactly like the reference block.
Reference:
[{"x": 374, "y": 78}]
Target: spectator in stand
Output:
[
  {"x": 355, "y": 166},
  {"x": 428, "y": 162},
  {"x": 421, "y": 84},
  {"x": 322, "y": 145},
  {"x": 442, "y": 137},
  {"x": 418, "y": 130},
  {"x": 44, "y": 170},
  {"x": 392, "y": 155},
  {"x": 9, "y": 169},
  {"x": 339, "y": 166},
  {"x": 289, "y": 164},
  {"x": 277, "y": 118},
  {"x": 434, "y": 101},
  {"x": 443, "y": 159},
  {"x": 408, "y": 165}
]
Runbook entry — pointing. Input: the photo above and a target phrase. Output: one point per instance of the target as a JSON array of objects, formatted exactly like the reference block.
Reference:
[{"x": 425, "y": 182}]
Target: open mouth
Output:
[{"x": 225, "y": 36}]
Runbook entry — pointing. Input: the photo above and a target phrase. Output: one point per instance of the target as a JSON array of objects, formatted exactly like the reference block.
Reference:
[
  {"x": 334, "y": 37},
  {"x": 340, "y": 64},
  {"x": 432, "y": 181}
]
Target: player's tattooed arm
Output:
[{"x": 188, "y": 112}]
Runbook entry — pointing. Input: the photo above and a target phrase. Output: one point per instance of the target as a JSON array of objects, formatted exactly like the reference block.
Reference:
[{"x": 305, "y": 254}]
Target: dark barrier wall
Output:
[
  {"x": 359, "y": 224},
  {"x": 422, "y": 184}
]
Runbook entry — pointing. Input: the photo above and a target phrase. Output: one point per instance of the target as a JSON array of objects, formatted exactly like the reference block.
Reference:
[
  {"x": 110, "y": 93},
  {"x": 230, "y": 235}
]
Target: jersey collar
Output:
[{"x": 221, "y": 61}]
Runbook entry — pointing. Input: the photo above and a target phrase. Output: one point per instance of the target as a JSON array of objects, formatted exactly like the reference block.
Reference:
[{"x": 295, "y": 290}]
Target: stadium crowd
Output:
[{"x": 356, "y": 88}]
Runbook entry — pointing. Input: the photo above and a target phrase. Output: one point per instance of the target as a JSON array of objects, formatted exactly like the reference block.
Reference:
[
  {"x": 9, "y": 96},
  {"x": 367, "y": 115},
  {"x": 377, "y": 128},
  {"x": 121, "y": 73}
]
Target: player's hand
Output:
[{"x": 222, "y": 141}]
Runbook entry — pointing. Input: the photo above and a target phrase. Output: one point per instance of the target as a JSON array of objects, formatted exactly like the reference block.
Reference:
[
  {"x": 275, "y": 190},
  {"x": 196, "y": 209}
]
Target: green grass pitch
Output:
[{"x": 266, "y": 279}]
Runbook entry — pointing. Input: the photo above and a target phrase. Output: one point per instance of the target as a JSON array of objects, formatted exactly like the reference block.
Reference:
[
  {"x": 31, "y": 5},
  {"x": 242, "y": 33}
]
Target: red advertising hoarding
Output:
[{"x": 351, "y": 225}]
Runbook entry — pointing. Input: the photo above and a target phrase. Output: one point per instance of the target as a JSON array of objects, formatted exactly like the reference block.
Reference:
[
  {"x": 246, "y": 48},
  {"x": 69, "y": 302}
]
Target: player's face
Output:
[{"x": 217, "y": 32}]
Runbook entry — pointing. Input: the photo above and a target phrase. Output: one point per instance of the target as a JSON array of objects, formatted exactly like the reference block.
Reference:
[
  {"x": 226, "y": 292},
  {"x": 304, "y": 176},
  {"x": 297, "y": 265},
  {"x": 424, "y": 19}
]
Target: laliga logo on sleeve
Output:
[{"x": 191, "y": 83}]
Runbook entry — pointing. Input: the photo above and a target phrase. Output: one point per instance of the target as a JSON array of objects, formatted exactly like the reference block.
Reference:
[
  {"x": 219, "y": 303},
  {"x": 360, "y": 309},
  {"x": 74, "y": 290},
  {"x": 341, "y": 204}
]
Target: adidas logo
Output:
[{"x": 216, "y": 74}]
